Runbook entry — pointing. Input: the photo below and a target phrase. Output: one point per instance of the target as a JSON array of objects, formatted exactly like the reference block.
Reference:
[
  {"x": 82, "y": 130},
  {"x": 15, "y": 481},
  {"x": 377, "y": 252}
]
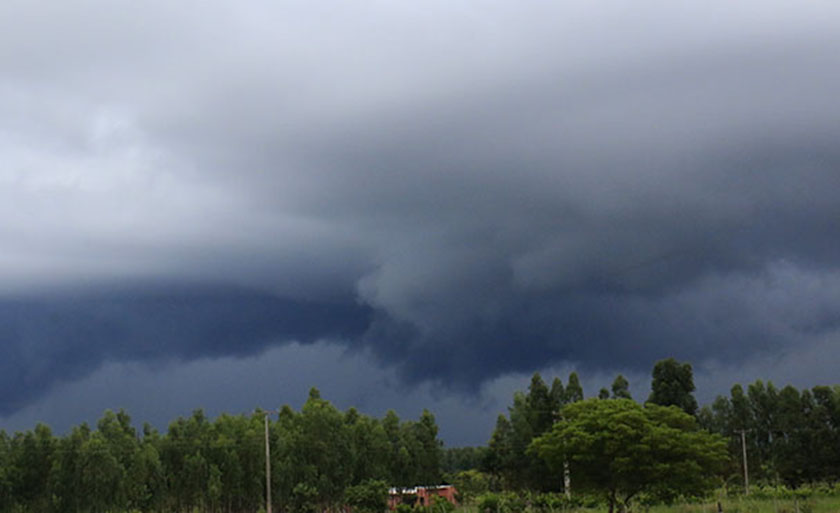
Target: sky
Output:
[{"x": 410, "y": 205}]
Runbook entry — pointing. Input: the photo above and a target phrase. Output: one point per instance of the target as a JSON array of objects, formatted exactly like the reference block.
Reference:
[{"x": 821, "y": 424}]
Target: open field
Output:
[
  {"x": 747, "y": 505},
  {"x": 729, "y": 505}
]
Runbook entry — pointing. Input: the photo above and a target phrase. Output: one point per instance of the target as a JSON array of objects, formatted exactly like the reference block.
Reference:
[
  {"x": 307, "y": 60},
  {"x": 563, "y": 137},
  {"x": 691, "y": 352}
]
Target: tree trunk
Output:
[{"x": 567, "y": 480}]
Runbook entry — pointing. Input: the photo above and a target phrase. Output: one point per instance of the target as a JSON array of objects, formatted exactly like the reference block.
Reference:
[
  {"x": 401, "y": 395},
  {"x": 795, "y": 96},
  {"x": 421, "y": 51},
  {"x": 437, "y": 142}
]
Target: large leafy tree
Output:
[{"x": 621, "y": 449}]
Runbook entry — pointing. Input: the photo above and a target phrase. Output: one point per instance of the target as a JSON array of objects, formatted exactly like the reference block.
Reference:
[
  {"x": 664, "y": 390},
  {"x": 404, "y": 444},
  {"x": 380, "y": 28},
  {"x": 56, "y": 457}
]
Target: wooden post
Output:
[
  {"x": 744, "y": 451},
  {"x": 267, "y": 468}
]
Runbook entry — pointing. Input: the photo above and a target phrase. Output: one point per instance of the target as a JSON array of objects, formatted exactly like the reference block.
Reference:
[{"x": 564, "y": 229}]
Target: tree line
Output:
[
  {"x": 553, "y": 440},
  {"x": 553, "y": 446},
  {"x": 321, "y": 458},
  {"x": 791, "y": 437}
]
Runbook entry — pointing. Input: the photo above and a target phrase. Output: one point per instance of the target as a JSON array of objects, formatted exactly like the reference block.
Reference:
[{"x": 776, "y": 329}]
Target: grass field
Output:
[
  {"x": 728, "y": 505},
  {"x": 748, "y": 505}
]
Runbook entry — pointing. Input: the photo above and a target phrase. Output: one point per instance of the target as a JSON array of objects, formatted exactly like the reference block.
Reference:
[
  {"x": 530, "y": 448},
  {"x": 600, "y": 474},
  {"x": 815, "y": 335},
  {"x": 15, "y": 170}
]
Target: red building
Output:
[{"x": 420, "y": 495}]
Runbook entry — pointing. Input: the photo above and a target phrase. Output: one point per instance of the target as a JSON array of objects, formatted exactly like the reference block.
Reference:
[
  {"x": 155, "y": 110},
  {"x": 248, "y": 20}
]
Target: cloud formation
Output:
[{"x": 461, "y": 191}]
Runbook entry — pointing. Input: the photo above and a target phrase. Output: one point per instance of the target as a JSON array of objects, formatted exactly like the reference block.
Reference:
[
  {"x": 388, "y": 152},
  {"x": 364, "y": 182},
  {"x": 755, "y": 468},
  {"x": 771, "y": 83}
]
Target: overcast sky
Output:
[{"x": 215, "y": 204}]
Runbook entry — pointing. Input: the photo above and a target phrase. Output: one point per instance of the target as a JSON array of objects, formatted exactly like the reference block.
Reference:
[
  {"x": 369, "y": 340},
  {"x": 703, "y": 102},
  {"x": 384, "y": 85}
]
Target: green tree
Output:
[
  {"x": 673, "y": 384},
  {"x": 574, "y": 392},
  {"x": 541, "y": 409},
  {"x": 531, "y": 414},
  {"x": 399, "y": 458},
  {"x": 621, "y": 449},
  {"x": 6, "y": 497},
  {"x": 519, "y": 468},
  {"x": 790, "y": 449},
  {"x": 65, "y": 474},
  {"x": 470, "y": 484},
  {"x": 31, "y": 455},
  {"x": 184, "y": 454},
  {"x": 621, "y": 388},
  {"x": 763, "y": 401},
  {"x": 123, "y": 444},
  {"x": 100, "y": 476},
  {"x": 456, "y": 459},
  {"x": 427, "y": 449},
  {"x": 558, "y": 395},
  {"x": 369, "y": 447},
  {"x": 322, "y": 450},
  {"x": 148, "y": 476},
  {"x": 499, "y": 450},
  {"x": 824, "y": 416}
]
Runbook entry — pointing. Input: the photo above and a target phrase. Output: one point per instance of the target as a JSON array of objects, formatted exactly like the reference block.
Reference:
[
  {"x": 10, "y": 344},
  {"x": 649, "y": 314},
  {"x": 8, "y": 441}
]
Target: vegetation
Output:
[
  {"x": 673, "y": 385},
  {"x": 773, "y": 501},
  {"x": 622, "y": 449},
  {"x": 553, "y": 451},
  {"x": 792, "y": 437},
  {"x": 617, "y": 449},
  {"x": 322, "y": 458}
]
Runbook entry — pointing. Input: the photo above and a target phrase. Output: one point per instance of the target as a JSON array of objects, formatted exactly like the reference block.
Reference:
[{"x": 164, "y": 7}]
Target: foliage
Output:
[
  {"x": 621, "y": 388},
  {"x": 370, "y": 496},
  {"x": 441, "y": 505},
  {"x": 504, "y": 502},
  {"x": 319, "y": 456},
  {"x": 456, "y": 459},
  {"x": 792, "y": 437},
  {"x": 530, "y": 416},
  {"x": 755, "y": 504},
  {"x": 622, "y": 449},
  {"x": 673, "y": 385},
  {"x": 471, "y": 484},
  {"x": 322, "y": 457}
]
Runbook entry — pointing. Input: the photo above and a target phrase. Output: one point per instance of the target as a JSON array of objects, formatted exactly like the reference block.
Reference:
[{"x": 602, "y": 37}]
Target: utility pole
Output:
[
  {"x": 744, "y": 452},
  {"x": 267, "y": 467}
]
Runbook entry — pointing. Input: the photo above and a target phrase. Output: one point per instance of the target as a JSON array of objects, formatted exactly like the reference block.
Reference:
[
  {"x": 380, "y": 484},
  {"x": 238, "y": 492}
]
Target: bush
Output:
[
  {"x": 505, "y": 502},
  {"x": 552, "y": 502},
  {"x": 489, "y": 503},
  {"x": 441, "y": 505},
  {"x": 370, "y": 496},
  {"x": 471, "y": 484},
  {"x": 304, "y": 498}
]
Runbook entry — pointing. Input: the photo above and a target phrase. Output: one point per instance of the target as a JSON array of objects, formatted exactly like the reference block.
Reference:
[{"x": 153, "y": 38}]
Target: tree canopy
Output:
[
  {"x": 673, "y": 385},
  {"x": 321, "y": 458},
  {"x": 621, "y": 449}
]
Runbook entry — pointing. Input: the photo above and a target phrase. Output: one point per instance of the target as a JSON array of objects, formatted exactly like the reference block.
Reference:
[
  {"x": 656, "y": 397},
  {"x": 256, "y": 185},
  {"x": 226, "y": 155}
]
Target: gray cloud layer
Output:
[{"x": 475, "y": 189}]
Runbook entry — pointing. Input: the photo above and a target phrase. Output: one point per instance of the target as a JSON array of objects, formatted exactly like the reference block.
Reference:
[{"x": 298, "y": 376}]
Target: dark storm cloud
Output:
[
  {"x": 475, "y": 190},
  {"x": 613, "y": 239},
  {"x": 59, "y": 338}
]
